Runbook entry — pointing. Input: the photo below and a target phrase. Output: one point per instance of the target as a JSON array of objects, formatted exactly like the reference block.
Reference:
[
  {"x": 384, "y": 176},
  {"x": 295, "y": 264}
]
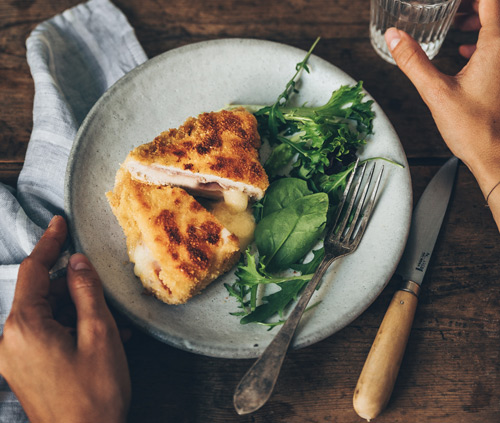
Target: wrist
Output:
[
  {"x": 493, "y": 202},
  {"x": 491, "y": 191},
  {"x": 486, "y": 169}
]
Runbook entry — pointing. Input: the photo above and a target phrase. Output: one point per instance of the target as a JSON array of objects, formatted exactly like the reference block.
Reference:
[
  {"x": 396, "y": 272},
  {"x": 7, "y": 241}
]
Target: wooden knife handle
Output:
[{"x": 381, "y": 368}]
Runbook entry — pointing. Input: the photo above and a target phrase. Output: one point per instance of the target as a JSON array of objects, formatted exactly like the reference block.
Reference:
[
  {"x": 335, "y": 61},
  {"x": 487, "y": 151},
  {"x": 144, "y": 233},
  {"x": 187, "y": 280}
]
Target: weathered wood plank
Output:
[
  {"x": 451, "y": 369},
  {"x": 162, "y": 26},
  {"x": 449, "y": 373}
]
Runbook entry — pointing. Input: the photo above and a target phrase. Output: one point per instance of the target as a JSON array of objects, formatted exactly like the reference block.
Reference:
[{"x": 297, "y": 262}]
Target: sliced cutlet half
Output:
[
  {"x": 213, "y": 155},
  {"x": 177, "y": 246}
]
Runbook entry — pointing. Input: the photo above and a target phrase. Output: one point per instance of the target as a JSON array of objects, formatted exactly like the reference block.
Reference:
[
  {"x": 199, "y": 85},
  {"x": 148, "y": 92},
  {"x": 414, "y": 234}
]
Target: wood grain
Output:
[
  {"x": 381, "y": 369},
  {"x": 162, "y": 26},
  {"x": 450, "y": 372}
]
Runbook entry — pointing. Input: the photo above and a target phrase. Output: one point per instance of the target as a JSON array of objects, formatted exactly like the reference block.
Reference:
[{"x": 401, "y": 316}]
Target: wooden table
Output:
[{"x": 451, "y": 371}]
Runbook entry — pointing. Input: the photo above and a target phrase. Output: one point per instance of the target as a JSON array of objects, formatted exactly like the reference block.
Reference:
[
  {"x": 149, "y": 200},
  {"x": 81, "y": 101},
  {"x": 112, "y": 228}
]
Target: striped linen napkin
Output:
[{"x": 74, "y": 57}]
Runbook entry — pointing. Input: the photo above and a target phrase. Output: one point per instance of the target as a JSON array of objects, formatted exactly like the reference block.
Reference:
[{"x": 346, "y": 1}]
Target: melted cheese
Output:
[
  {"x": 237, "y": 201},
  {"x": 145, "y": 266},
  {"x": 240, "y": 223}
]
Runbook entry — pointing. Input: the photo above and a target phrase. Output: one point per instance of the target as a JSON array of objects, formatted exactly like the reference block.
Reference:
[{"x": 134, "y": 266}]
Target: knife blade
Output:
[{"x": 376, "y": 381}]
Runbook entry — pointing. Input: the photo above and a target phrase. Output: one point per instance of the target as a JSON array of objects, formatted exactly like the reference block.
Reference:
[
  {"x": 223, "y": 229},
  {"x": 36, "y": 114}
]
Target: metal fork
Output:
[{"x": 343, "y": 238}]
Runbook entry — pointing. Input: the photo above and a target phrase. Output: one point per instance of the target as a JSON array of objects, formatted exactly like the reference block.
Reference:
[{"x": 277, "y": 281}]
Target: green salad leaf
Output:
[
  {"x": 274, "y": 112},
  {"x": 251, "y": 275},
  {"x": 323, "y": 138},
  {"x": 282, "y": 193},
  {"x": 312, "y": 265},
  {"x": 320, "y": 146},
  {"x": 293, "y": 222},
  {"x": 276, "y": 303},
  {"x": 287, "y": 235}
]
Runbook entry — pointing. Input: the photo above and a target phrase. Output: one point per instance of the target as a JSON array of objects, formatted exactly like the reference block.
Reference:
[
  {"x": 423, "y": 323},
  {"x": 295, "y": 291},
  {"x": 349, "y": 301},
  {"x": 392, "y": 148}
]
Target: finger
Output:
[
  {"x": 470, "y": 23},
  {"x": 66, "y": 316},
  {"x": 489, "y": 12},
  {"x": 123, "y": 326},
  {"x": 413, "y": 61},
  {"x": 94, "y": 319},
  {"x": 467, "y": 50},
  {"x": 489, "y": 34},
  {"x": 58, "y": 294},
  {"x": 475, "y": 6},
  {"x": 33, "y": 278},
  {"x": 489, "y": 15},
  {"x": 467, "y": 6},
  {"x": 46, "y": 251}
]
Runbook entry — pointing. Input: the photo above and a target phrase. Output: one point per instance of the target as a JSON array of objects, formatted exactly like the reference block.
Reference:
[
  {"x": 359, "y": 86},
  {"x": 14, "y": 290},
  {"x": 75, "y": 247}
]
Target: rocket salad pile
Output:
[{"x": 319, "y": 144}]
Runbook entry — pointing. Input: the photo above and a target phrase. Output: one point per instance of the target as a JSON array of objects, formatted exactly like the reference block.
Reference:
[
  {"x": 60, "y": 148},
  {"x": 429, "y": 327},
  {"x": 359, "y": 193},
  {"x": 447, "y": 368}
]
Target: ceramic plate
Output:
[{"x": 161, "y": 94}]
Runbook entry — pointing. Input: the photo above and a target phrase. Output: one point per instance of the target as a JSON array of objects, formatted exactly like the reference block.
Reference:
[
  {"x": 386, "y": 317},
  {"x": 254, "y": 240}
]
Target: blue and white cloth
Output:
[{"x": 74, "y": 57}]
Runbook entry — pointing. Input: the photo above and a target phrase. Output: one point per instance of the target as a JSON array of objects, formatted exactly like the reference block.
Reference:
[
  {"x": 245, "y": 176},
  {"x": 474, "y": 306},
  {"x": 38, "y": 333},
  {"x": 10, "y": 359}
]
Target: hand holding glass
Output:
[{"x": 427, "y": 21}]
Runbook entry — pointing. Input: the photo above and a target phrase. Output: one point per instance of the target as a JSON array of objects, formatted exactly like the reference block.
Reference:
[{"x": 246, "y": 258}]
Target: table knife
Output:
[{"x": 381, "y": 368}]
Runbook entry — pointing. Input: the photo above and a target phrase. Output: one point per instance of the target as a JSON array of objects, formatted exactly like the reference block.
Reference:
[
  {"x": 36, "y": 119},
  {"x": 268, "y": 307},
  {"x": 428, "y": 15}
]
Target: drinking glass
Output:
[{"x": 427, "y": 21}]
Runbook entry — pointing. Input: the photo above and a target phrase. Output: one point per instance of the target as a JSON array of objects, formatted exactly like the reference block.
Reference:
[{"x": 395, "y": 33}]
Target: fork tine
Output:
[
  {"x": 344, "y": 195},
  {"x": 369, "y": 208},
  {"x": 361, "y": 203},
  {"x": 351, "y": 202}
]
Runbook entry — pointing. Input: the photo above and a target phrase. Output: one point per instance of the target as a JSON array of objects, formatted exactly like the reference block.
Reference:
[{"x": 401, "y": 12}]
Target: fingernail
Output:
[
  {"x": 79, "y": 262},
  {"x": 392, "y": 38},
  {"x": 52, "y": 221}
]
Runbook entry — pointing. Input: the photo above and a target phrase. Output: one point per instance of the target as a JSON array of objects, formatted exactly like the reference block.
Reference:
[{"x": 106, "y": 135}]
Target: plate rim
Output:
[{"x": 173, "y": 340}]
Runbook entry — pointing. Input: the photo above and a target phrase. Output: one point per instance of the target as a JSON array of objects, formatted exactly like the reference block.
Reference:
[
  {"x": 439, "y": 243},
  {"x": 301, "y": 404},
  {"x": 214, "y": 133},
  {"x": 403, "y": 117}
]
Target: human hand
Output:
[
  {"x": 465, "y": 107},
  {"x": 60, "y": 373}
]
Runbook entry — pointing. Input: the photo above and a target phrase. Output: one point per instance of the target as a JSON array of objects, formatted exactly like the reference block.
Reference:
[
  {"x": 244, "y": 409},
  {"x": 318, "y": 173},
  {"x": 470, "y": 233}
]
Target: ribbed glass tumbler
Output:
[{"x": 428, "y": 21}]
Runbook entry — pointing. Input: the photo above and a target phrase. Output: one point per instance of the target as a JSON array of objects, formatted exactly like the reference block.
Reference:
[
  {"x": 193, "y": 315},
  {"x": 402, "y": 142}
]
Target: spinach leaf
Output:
[
  {"x": 287, "y": 235},
  {"x": 282, "y": 193},
  {"x": 316, "y": 147}
]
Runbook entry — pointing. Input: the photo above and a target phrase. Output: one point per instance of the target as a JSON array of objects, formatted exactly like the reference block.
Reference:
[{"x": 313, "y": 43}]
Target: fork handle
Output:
[
  {"x": 381, "y": 368},
  {"x": 257, "y": 385}
]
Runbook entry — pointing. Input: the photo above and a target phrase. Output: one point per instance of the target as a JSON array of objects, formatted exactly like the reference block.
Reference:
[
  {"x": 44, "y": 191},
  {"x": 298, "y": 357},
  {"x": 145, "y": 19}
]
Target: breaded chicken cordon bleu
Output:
[
  {"x": 215, "y": 155},
  {"x": 178, "y": 245}
]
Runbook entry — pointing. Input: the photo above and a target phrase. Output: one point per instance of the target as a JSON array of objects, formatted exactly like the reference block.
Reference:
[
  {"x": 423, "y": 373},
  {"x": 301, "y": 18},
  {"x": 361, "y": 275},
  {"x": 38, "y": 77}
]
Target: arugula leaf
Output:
[
  {"x": 274, "y": 112},
  {"x": 321, "y": 135},
  {"x": 279, "y": 158},
  {"x": 250, "y": 275},
  {"x": 277, "y": 302},
  {"x": 335, "y": 184},
  {"x": 344, "y": 103},
  {"x": 310, "y": 266},
  {"x": 320, "y": 144}
]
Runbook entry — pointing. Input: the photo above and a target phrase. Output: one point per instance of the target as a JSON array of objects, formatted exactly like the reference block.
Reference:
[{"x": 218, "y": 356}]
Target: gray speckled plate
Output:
[{"x": 160, "y": 95}]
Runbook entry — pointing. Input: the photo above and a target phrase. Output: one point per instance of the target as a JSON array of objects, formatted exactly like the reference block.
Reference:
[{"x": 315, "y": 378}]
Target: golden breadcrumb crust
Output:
[
  {"x": 188, "y": 246},
  {"x": 224, "y": 144}
]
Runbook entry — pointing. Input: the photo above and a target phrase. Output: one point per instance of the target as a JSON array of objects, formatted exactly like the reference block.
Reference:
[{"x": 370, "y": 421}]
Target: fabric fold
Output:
[{"x": 74, "y": 58}]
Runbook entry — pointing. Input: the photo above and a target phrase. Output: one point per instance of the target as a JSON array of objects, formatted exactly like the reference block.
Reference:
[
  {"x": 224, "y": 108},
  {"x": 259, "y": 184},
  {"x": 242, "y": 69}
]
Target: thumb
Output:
[
  {"x": 93, "y": 316},
  {"x": 414, "y": 63},
  {"x": 489, "y": 15}
]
